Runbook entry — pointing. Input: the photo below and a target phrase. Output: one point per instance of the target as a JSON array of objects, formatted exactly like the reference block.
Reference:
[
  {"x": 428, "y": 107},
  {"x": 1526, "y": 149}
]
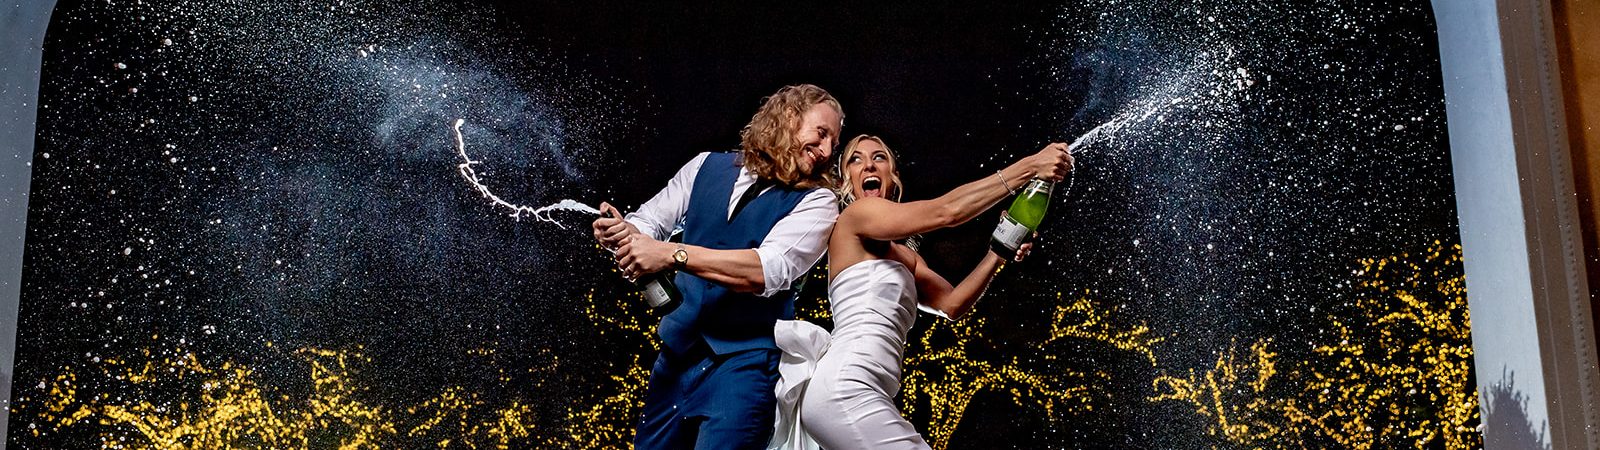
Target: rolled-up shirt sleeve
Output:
[
  {"x": 656, "y": 218},
  {"x": 797, "y": 241}
]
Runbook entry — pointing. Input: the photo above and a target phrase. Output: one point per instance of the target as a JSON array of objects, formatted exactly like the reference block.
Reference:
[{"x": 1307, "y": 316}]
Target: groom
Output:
[{"x": 753, "y": 223}]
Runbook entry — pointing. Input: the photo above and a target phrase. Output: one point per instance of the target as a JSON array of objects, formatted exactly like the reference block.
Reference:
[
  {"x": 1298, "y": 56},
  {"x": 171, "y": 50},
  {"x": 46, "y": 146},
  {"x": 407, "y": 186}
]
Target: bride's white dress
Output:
[{"x": 848, "y": 402}]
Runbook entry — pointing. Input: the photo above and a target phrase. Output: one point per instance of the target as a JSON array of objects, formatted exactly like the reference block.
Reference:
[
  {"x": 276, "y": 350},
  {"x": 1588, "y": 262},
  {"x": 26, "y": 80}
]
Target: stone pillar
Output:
[{"x": 1532, "y": 328}]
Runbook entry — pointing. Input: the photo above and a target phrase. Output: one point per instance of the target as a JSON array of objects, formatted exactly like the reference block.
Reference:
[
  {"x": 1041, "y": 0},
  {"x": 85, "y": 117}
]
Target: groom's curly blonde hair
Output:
[{"x": 768, "y": 145}]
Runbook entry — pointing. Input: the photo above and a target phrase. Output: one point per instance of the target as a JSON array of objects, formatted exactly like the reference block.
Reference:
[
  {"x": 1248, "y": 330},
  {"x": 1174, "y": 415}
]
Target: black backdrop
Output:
[{"x": 245, "y": 182}]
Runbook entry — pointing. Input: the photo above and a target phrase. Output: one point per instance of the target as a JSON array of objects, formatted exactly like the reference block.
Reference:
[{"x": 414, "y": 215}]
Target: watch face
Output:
[{"x": 681, "y": 256}]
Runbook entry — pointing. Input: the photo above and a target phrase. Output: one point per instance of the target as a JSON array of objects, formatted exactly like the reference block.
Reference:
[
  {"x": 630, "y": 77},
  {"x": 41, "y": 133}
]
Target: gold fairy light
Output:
[
  {"x": 1233, "y": 395},
  {"x": 1084, "y": 319},
  {"x": 813, "y": 307},
  {"x": 943, "y": 369},
  {"x": 607, "y": 423},
  {"x": 1398, "y": 370},
  {"x": 1410, "y": 348},
  {"x": 1394, "y": 369},
  {"x": 230, "y": 406},
  {"x": 608, "y": 420}
]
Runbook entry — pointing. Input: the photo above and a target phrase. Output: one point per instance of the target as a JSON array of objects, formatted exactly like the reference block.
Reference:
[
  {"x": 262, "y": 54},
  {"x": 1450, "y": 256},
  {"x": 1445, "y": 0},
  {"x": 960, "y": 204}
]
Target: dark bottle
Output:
[{"x": 659, "y": 289}]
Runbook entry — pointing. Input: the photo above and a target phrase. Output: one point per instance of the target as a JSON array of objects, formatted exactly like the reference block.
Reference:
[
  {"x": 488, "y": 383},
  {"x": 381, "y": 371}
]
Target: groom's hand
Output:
[
  {"x": 641, "y": 255},
  {"x": 610, "y": 230}
]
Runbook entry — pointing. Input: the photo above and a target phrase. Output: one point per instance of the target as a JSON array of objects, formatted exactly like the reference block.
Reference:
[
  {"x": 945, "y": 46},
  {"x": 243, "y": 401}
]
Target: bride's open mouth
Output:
[{"x": 872, "y": 187}]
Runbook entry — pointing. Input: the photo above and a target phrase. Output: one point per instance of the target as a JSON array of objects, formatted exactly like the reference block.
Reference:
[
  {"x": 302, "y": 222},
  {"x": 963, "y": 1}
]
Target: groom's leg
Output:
[
  {"x": 737, "y": 400},
  {"x": 662, "y": 425}
]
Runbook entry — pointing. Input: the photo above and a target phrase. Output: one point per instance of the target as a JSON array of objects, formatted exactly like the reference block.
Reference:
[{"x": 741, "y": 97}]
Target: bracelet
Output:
[{"x": 1004, "y": 184}]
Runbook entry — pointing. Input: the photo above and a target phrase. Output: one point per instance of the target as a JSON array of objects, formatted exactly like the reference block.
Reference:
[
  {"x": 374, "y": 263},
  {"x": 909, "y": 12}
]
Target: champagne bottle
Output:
[
  {"x": 1022, "y": 219},
  {"x": 659, "y": 289}
]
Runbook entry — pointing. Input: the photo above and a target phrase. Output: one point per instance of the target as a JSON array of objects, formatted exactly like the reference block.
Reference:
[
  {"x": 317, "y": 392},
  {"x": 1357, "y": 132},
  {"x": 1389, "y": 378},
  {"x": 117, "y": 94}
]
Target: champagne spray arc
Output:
[{"x": 659, "y": 289}]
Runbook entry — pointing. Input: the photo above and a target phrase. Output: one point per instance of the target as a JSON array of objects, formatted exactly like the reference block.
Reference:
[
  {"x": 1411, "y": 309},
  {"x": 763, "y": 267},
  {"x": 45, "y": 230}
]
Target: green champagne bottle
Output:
[
  {"x": 660, "y": 289},
  {"x": 1022, "y": 219}
]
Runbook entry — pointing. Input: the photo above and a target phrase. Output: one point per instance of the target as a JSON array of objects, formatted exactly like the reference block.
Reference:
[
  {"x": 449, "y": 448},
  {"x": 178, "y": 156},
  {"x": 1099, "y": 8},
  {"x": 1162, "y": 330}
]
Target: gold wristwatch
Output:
[{"x": 680, "y": 257}]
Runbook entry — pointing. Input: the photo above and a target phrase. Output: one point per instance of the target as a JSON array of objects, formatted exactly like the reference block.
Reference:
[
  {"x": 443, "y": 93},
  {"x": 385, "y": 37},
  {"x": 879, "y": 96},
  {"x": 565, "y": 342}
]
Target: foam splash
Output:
[
  {"x": 570, "y": 205},
  {"x": 542, "y": 213}
]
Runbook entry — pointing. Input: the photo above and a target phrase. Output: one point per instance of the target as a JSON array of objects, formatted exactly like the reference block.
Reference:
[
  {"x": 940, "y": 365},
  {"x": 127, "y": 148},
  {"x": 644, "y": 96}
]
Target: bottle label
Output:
[
  {"x": 1010, "y": 233},
  {"x": 655, "y": 293}
]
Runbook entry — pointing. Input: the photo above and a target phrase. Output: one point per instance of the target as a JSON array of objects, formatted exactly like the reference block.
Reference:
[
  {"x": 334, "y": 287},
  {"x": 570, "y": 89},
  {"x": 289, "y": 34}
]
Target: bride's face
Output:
[{"x": 871, "y": 169}]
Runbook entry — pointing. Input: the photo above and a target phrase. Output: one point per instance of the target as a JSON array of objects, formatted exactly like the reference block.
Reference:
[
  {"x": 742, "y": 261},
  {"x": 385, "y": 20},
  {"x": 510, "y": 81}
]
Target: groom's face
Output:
[{"x": 818, "y": 134}]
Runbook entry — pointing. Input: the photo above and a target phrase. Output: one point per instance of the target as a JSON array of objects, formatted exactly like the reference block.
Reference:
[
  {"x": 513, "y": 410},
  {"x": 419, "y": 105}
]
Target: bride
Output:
[{"x": 877, "y": 285}]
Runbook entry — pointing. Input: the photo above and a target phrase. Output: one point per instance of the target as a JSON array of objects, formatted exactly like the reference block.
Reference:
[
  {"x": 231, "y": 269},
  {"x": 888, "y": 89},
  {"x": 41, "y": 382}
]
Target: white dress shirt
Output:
[{"x": 790, "y": 249}]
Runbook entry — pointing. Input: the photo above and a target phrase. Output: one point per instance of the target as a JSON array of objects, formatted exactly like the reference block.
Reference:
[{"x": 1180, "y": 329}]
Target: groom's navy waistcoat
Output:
[{"x": 728, "y": 321}]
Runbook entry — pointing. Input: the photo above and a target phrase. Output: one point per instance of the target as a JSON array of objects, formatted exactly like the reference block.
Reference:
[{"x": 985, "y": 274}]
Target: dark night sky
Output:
[{"x": 232, "y": 173}]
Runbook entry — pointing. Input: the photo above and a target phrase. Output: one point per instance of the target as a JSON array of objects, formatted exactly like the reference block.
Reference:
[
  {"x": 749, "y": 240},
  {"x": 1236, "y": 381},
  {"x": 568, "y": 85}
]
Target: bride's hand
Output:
[
  {"x": 1025, "y": 249},
  {"x": 1053, "y": 162}
]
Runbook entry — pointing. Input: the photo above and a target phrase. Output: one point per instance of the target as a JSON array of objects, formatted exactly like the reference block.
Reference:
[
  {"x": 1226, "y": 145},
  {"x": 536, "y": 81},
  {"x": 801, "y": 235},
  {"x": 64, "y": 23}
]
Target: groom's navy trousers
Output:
[
  {"x": 710, "y": 401},
  {"x": 712, "y": 386}
]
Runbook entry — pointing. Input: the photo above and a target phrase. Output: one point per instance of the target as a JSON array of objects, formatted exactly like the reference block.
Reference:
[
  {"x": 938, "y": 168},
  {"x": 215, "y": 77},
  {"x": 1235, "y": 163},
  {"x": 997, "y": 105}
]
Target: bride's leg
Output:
[{"x": 843, "y": 412}]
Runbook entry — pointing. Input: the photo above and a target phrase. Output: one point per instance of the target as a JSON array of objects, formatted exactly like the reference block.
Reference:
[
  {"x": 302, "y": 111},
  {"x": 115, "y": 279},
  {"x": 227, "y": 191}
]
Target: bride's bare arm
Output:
[
  {"x": 954, "y": 302},
  {"x": 883, "y": 220}
]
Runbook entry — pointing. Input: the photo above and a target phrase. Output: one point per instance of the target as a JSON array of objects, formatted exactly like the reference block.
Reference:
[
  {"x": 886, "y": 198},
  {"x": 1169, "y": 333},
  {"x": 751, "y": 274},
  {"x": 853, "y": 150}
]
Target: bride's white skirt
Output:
[{"x": 845, "y": 398}]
